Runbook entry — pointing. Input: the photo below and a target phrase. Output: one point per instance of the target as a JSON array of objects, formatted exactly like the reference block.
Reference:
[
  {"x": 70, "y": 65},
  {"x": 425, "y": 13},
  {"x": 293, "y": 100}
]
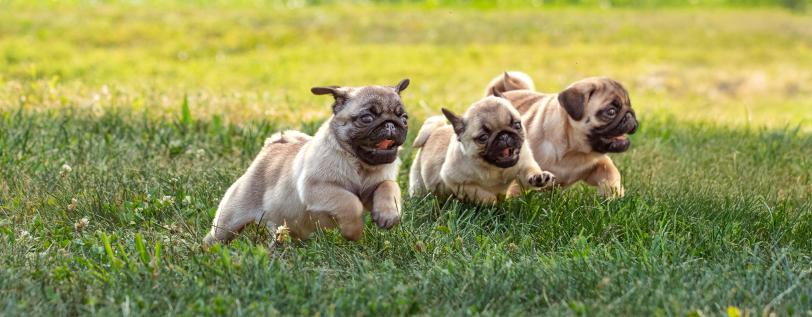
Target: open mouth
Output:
[
  {"x": 507, "y": 153},
  {"x": 619, "y": 138},
  {"x": 383, "y": 152},
  {"x": 504, "y": 158},
  {"x": 384, "y": 146},
  {"x": 614, "y": 144}
]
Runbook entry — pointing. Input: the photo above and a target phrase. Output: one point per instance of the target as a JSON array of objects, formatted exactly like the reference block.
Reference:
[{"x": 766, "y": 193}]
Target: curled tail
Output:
[
  {"x": 287, "y": 136},
  {"x": 512, "y": 80},
  {"x": 428, "y": 127}
]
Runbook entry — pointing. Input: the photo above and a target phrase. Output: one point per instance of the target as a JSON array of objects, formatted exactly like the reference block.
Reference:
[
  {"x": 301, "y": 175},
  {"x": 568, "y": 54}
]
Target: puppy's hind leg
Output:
[
  {"x": 230, "y": 218},
  {"x": 416, "y": 185},
  {"x": 227, "y": 224}
]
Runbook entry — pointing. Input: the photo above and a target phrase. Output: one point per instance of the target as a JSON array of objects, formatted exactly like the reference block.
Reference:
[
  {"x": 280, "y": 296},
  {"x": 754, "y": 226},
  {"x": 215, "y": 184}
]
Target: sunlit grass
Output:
[{"x": 122, "y": 125}]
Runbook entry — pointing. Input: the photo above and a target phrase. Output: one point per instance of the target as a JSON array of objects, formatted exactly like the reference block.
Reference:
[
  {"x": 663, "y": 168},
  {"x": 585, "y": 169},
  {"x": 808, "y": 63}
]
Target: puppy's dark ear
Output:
[
  {"x": 456, "y": 121},
  {"x": 402, "y": 85},
  {"x": 339, "y": 94},
  {"x": 575, "y": 98},
  {"x": 496, "y": 93}
]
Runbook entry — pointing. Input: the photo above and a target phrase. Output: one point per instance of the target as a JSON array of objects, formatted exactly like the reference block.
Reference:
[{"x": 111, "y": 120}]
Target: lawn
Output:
[{"x": 138, "y": 117}]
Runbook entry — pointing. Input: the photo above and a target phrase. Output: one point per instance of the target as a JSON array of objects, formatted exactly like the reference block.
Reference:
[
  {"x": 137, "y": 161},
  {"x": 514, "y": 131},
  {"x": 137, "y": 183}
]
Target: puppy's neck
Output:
[
  {"x": 327, "y": 142},
  {"x": 575, "y": 143},
  {"x": 458, "y": 151}
]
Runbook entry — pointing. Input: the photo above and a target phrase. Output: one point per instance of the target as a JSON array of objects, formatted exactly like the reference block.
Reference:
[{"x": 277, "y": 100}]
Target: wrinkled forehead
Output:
[
  {"x": 375, "y": 98},
  {"x": 608, "y": 90},
  {"x": 492, "y": 114}
]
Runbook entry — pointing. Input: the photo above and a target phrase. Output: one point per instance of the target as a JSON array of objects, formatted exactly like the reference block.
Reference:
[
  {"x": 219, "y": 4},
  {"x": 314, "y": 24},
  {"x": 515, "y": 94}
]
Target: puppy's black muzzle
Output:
[
  {"x": 504, "y": 149},
  {"x": 614, "y": 139},
  {"x": 629, "y": 123},
  {"x": 380, "y": 145},
  {"x": 388, "y": 131}
]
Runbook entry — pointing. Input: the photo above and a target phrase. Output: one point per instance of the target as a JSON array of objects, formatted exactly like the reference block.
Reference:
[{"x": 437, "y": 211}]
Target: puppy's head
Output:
[
  {"x": 369, "y": 122},
  {"x": 490, "y": 130},
  {"x": 600, "y": 107}
]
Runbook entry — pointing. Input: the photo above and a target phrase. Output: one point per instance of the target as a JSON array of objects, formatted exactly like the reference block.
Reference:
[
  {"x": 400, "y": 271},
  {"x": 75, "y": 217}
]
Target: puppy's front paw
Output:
[
  {"x": 386, "y": 219},
  {"x": 611, "y": 191},
  {"x": 545, "y": 179}
]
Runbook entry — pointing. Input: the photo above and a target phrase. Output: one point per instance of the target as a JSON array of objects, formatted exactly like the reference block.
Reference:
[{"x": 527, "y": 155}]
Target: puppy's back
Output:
[
  {"x": 273, "y": 164},
  {"x": 524, "y": 100}
]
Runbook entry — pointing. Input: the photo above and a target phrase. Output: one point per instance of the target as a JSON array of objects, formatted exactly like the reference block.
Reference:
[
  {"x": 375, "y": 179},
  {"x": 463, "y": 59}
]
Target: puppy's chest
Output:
[
  {"x": 567, "y": 169},
  {"x": 494, "y": 178},
  {"x": 364, "y": 180}
]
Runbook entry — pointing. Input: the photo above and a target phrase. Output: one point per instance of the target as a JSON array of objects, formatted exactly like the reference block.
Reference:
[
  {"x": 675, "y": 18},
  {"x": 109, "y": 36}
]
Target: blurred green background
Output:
[{"x": 734, "y": 62}]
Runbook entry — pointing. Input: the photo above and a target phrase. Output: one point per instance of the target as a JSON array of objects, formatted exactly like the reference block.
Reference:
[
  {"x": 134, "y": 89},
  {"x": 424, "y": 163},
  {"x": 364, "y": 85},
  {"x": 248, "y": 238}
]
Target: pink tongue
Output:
[
  {"x": 505, "y": 152},
  {"x": 385, "y": 144}
]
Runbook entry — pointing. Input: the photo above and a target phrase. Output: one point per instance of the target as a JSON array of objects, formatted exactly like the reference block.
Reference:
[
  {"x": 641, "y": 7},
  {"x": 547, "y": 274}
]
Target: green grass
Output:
[{"x": 718, "y": 210}]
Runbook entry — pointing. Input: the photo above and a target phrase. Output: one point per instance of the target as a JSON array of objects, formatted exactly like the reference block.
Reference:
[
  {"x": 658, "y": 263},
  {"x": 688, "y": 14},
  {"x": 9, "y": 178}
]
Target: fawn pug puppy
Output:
[
  {"x": 477, "y": 157},
  {"x": 326, "y": 180},
  {"x": 571, "y": 132}
]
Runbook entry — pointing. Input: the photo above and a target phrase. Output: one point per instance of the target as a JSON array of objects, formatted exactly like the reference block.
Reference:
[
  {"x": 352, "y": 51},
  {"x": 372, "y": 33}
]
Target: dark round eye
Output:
[
  {"x": 517, "y": 125},
  {"x": 404, "y": 117},
  {"x": 482, "y": 139},
  {"x": 611, "y": 112},
  {"x": 367, "y": 118}
]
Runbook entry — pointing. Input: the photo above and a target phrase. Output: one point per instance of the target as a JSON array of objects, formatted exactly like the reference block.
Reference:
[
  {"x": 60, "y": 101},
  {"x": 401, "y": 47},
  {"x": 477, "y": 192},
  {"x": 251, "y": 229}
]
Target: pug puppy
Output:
[
  {"x": 571, "y": 132},
  {"x": 327, "y": 180},
  {"x": 477, "y": 157}
]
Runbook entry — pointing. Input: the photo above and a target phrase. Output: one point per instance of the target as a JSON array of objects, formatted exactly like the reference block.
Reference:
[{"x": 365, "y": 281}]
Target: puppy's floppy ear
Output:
[
  {"x": 339, "y": 94},
  {"x": 456, "y": 121},
  {"x": 402, "y": 85},
  {"x": 575, "y": 98},
  {"x": 496, "y": 93}
]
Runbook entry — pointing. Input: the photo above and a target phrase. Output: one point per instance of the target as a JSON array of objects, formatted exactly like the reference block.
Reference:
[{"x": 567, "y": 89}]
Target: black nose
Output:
[
  {"x": 506, "y": 140},
  {"x": 633, "y": 121},
  {"x": 389, "y": 129}
]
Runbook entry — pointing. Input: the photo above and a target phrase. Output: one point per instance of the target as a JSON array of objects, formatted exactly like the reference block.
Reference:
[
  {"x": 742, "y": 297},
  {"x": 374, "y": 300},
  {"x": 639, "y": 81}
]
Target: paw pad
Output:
[{"x": 542, "y": 180}]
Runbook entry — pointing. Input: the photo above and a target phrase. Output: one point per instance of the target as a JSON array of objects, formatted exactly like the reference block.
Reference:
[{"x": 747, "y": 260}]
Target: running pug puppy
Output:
[
  {"x": 571, "y": 132},
  {"x": 477, "y": 157},
  {"x": 329, "y": 179}
]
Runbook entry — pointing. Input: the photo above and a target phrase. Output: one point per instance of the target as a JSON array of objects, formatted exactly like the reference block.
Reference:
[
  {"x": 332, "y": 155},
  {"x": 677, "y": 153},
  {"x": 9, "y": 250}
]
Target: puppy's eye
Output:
[
  {"x": 367, "y": 118},
  {"x": 482, "y": 139},
  {"x": 517, "y": 125},
  {"x": 612, "y": 112},
  {"x": 404, "y": 117}
]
